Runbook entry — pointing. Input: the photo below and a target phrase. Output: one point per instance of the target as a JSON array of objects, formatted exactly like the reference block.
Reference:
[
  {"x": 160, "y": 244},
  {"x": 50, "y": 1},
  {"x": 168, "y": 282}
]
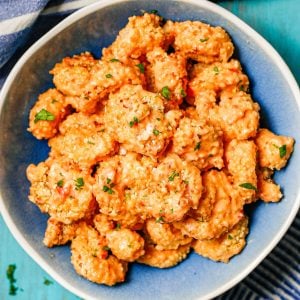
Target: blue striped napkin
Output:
[{"x": 23, "y": 22}]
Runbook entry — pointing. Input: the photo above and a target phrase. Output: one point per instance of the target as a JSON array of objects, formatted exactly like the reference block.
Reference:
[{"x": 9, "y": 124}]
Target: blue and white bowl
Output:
[{"x": 90, "y": 29}]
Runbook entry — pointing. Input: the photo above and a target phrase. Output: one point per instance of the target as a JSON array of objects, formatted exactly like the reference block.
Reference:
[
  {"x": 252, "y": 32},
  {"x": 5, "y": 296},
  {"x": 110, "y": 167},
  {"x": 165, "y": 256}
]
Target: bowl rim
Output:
[{"x": 89, "y": 9}]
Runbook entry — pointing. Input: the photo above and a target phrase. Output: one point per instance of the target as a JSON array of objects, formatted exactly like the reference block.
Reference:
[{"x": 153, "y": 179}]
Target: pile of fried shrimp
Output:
[{"x": 154, "y": 150}]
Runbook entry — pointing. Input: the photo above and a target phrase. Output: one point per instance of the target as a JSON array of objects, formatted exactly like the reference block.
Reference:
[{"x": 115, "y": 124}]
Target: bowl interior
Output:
[{"x": 196, "y": 277}]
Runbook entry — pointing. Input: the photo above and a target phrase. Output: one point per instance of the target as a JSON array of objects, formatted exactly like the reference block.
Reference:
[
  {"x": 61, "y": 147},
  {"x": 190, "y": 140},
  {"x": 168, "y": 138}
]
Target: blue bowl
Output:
[{"x": 92, "y": 28}]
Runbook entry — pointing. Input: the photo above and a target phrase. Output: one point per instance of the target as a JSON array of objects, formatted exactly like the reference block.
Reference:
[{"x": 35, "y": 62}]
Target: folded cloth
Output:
[{"x": 23, "y": 22}]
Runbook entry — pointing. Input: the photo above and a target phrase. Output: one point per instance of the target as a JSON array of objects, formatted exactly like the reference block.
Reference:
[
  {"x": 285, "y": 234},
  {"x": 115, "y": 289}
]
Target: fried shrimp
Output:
[
  {"x": 155, "y": 149},
  {"x": 91, "y": 259}
]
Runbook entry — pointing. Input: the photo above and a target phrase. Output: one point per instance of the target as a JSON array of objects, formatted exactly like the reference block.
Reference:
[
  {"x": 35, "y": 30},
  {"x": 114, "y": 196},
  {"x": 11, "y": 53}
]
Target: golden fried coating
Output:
[
  {"x": 240, "y": 157},
  {"x": 136, "y": 118},
  {"x": 84, "y": 142},
  {"x": 165, "y": 236},
  {"x": 58, "y": 233},
  {"x": 141, "y": 35},
  {"x": 91, "y": 260},
  {"x": 199, "y": 143},
  {"x": 237, "y": 115},
  {"x": 268, "y": 190},
  {"x": 220, "y": 208},
  {"x": 125, "y": 244},
  {"x": 167, "y": 75},
  {"x": 164, "y": 258},
  {"x": 60, "y": 189},
  {"x": 199, "y": 41},
  {"x": 273, "y": 150},
  {"x": 47, "y": 113},
  {"x": 85, "y": 84},
  {"x": 226, "y": 246}
]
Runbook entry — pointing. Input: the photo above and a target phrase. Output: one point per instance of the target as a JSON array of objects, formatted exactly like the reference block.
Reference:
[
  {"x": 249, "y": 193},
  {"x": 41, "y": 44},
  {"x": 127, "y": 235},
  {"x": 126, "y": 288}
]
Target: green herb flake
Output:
[
  {"x": 230, "y": 237},
  {"x": 159, "y": 220},
  {"x": 134, "y": 121},
  {"x": 186, "y": 181},
  {"x": 173, "y": 175},
  {"x": 248, "y": 186},
  {"x": 197, "y": 146},
  {"x": 118, "y": 226},
  {"x": 216, "y": 70},
  {"x": 44, "y": 115},
  {"x": 79, "y": 183},
  {"x": 242, "y": 88},
  {"x": 141, "y": 67},
  {"x": 182, "y": 93},
  {"x": 282, "y": 151},
  {"x": 90, "y": 142},
  {"x": 153, "y": 11},
  {"x": 60, "y": 183},
  {"x": 108, "y": 76},
  {"x": 108, "y": 190},
  {"x": 166, "y": 92},
  {"x": 47, "y": 281},
  {"x": 108, "y": 180},
  {"x": 114, "y": 60},
  {"x": 10, "y": 276},
  {"x": 156, "y": 132},
  {"x": 203, "y": 40},
  {"x": 105, "y": 248},
  {"x": 54, "y": 101}
]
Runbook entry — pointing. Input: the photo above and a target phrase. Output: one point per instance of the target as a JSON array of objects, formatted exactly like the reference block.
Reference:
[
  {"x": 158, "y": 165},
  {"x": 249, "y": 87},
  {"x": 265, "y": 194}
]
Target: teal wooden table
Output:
[{"x": 276, "y": 20}]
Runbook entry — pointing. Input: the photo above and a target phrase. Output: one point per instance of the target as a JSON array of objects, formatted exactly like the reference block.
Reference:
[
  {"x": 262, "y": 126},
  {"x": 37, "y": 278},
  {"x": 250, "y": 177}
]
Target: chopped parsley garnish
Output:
[
  {"x": 173, "y": 175},
  {"x": 47, "y": 281},
  {"x": 203, "y": 40},
  {"x": 248, "y": 186},
  {"x": 159, "y": 220},
  {"x": 114, "y": 60},
  {"x": 108, "y": 190},
  {"x": 230, "y": 237},
  {"x": 186, "y": 181},
  {"x": 242, "y": 88},
  {"x": 90, "y": 142},
  {"x": 153, "y": 11},
  {"x": 108, "y": 180},
  {"x": 10, "y": 276},
  {"x": 108, "y": 76},
  {"x": 141, "y": 67},
  {"x": 105, "y": 248},
  {"x": 216, "y": 70},
  {"x": 54, "y": 101},
  {"x": 182, "y": 93},
  {"x": 197, "y": 146},
  {"x": 282, "y": 151},
  {"x": 44, "y": 115},
  {"x": 156, "y": 132},
  {"x": 79, "y": 183},
  {"x": 166, "y": 92},
  {"x": 133, "y": 122},
  {"x": 60, "y": 183},
  {"x": 118, "y": 226}
]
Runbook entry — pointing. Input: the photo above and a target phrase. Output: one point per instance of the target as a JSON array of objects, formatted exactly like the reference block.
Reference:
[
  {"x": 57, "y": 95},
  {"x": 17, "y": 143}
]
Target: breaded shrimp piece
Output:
[
  {"x": 238, "y": 116},
  {"x": 273, "y": 150},
  {"x": 199, "y": 41},
  {"x": 83, "y": 140},
  {"x": 219, "y": 210},
  {"x": 268, "y": 190},
  {"x": 240, "y": 157},
  {"x": 47, "y": 113},
  {"x": 164, "y": 258},
  {"x": 95, "y": 81},
  {"x": 62, "y": 190},
  {"x": 199, "y": 143},
  {"x": 205, "y": 102},
  {"x": 91, "y": 260},
  {"x": 226, "y": 246},
  {"x": 136, "y": 119},
  {"x": 167, "y": 75},
  {"x": 165, "y": 236},
  {"x": 140, "y": 36},
  {"x": 173, "y": 188},
  {"x": 217, "y": 77},
  {"x": 58, "y": 233},
  {"x": 125, "y": 244}
]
